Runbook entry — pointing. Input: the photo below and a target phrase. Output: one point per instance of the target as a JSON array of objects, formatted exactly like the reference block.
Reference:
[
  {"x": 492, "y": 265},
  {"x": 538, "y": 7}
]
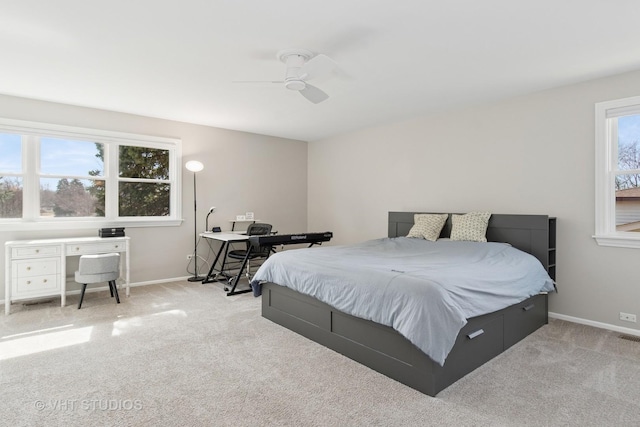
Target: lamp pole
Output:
[{"x": 195, "y": 166}]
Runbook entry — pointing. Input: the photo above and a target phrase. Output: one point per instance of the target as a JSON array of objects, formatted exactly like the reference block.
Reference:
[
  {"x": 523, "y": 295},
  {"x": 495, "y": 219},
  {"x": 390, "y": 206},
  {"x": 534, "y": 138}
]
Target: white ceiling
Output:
[{"x": 398, "y": 59}]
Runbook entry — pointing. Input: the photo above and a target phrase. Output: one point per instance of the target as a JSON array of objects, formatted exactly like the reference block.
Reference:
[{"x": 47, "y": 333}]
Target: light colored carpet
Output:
[{"x": 186, "y": 354}]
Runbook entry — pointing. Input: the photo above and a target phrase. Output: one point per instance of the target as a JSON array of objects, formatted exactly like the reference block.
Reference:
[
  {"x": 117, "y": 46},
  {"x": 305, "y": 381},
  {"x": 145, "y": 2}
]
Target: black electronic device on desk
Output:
[{"x": 111, "y": 232}]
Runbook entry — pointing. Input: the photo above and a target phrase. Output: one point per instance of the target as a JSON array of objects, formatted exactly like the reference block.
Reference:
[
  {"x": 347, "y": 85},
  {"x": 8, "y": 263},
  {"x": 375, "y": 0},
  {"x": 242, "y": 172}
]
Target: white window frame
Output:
[
  {"x": 606, "y": 166},
  {"x": 32, "y": 221}
]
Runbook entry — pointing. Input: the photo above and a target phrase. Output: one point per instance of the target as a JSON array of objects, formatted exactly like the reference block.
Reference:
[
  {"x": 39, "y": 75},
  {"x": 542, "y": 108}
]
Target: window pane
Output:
[
  {"x": 10, "y": 197},
  {"x": 71, "y": 158},
  {"x": 143, "y": 162},
  {"x": 628, "y": 203},
  {"x": 71, "y": 197},
  {"x": 629, "y": 142},
  {"x": 10, "y": 153},
  {"x": 144, "y": 199}
]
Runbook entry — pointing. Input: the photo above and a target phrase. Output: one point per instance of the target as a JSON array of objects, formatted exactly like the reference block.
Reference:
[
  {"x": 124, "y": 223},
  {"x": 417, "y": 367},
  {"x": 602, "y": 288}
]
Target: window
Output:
[
  {"x": 71, "y": 178},
  {"x": 10, "y": 176},
  {"x": 618, "y": 173},
  {"x": 144, "y": 188},
  {"x": 51, "y": 175}
]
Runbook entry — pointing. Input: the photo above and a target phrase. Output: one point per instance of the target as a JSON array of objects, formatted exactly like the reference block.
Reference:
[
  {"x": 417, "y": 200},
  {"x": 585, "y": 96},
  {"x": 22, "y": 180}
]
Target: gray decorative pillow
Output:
[
  {"x": 427, "y": 226},
  {"x": 471, "y": 227}
]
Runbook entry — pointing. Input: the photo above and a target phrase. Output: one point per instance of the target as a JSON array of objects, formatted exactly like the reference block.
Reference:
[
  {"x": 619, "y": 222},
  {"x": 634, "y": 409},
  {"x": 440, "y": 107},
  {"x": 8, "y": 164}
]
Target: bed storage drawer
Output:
[
  {"x": 295, "y": 305},
  {"x": 524, "y": 318},
  {"x": 479, "y": 341},
  {"x": 380, "y": 338}
]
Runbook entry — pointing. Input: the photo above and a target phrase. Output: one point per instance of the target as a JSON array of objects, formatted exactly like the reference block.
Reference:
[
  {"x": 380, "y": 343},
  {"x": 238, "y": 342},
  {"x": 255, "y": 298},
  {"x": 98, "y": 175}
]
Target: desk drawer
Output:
[
  {"x": 35, "y": 267},
  {"x": 35, "y": 251},
  {"x": 95, "y": 248},
  {"x": 36, "y": 286}
]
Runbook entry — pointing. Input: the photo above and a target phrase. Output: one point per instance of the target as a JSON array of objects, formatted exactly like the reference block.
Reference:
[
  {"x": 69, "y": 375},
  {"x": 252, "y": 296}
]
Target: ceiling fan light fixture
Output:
[{"x": 294, "y": 84}]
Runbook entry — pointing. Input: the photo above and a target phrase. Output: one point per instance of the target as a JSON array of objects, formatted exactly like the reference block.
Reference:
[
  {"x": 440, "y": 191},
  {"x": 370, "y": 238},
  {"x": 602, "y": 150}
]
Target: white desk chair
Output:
[{"x": 98, "y": 269}]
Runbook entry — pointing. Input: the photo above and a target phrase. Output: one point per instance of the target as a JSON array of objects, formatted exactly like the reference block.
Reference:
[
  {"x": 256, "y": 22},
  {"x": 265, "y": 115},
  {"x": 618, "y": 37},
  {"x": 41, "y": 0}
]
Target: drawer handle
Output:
[
  {"x": 28, "y": 268},
  {"x": 37, "y": 251},
  {"x": 116, "y": 246},
  {"x": 45, "y": 280},
  {"x": 528, "y": 307},
  {"x": 77, "y": 249},
  {"x": 28, "y": 282},
  {"x": 475, "y": 334}
]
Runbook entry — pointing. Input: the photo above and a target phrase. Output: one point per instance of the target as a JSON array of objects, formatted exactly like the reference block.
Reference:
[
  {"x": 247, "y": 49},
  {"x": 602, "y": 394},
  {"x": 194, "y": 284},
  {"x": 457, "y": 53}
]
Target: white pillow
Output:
[
  {"x": 427, "y": 226},
  {"x": 471, "y": 227}
]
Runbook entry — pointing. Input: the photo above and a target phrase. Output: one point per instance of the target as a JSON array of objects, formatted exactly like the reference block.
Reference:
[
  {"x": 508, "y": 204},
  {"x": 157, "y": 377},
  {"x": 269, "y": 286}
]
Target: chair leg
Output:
[
  {"x": 110, "y": 290},
  {"x": 84, "y": 287},
  {"x": 114, "y": 287}
]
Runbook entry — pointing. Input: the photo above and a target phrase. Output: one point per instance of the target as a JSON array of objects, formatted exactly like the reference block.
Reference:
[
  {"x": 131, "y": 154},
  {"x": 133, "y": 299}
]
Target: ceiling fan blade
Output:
[
  {"x": 318, "y": 66},
  {"x": 258, "y": 81},
  {"x": 314, "y": 94}
]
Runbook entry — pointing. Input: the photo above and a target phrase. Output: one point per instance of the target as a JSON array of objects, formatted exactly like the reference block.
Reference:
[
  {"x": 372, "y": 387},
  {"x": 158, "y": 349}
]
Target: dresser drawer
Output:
[
  {"x": 95, "y": 248},
  {"x": 26, "y": 287},
  {"x": 35, "y": 267},
  {"x": 35, "y": 251}
]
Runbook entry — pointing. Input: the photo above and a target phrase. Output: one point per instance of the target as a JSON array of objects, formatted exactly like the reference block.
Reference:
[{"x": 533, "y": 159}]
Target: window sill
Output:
[
  {"x": 75, "y": 224},
  {"x": 618, "y": 240}
]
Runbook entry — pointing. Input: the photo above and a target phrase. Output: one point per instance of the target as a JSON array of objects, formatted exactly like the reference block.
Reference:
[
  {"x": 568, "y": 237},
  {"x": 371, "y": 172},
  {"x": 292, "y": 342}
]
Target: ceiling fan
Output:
[{"x": 303, "y": 65}]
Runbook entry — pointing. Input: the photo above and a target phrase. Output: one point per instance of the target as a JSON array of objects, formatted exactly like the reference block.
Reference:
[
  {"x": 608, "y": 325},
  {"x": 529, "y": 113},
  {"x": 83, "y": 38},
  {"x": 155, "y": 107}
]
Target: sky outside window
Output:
[
  {"x": 70, "y": 158},
  {"x": 10, "y": 153}
]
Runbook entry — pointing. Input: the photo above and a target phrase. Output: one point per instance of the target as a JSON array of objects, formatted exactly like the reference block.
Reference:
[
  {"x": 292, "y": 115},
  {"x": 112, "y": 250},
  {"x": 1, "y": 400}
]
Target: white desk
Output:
[
  {"x": 234, "y": 221},
  {"x": 226, "y": 239},
  {"x": 225, "y": 236},
  {"x": 38, "y": 268}
]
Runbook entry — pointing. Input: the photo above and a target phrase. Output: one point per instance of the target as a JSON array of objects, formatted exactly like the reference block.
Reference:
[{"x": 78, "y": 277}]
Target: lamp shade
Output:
[{"x": 194, "y": 166}]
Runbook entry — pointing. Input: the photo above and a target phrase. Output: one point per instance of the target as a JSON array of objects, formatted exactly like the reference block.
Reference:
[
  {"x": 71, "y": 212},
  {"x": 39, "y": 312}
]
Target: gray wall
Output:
[
  {"x": 243, "y": 172},
  {"x": 533, "y": 154}
]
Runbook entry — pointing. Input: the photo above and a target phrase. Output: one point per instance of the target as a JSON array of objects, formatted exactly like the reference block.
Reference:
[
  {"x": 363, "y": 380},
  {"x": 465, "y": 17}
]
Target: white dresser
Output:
[{"x": 37, "y": 268}]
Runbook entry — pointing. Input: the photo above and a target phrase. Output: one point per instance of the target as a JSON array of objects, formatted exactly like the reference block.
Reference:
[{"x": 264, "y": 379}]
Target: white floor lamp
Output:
[{"x": 195, "y": 166}]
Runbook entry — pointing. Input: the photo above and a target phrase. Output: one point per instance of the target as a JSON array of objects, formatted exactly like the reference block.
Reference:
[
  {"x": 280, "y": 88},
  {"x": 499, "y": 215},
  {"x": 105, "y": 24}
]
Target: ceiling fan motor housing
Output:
[{"x": 294, "y": 59}]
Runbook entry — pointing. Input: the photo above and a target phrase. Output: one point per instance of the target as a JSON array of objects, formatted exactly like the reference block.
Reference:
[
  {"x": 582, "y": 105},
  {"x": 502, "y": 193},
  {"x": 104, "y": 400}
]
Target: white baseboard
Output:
[
  {"x": 120, "y": 286},
  {"x": 621, "y": 329},
  {"x": 131, "y": 285}
]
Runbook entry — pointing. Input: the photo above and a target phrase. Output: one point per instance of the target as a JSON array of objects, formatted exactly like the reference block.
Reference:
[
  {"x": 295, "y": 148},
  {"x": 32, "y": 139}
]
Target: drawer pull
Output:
[
  {"x": 77, "y": 249},
  {"x": 28, "y": 282},
  {"x": 37, "y": 251},
  {"x": 28, "y": 268},
  {"x": 116, "y": 246},
  {"x": 45, "y": 280},
  {"x": 475, "y": 334},
  {"x": 528, "y": 307}
]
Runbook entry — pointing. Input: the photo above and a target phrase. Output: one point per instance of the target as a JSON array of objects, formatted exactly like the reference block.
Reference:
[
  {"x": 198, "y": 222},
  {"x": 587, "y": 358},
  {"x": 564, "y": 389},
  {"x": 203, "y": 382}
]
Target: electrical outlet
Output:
[{"x": 628, "y": 317}]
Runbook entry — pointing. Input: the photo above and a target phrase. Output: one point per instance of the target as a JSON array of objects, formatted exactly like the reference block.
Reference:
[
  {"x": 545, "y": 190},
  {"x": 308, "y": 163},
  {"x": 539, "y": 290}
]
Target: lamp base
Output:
[{"x": 195, "y": 279}]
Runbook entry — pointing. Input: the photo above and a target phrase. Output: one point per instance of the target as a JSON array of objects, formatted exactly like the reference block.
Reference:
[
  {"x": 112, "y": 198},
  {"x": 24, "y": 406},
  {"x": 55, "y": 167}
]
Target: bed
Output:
[{"x": 385, "y": 350}]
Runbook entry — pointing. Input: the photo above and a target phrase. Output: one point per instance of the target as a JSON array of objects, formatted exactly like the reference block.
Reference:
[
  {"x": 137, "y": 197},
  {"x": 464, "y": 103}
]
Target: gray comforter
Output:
[{"x": 424, "y": 290}]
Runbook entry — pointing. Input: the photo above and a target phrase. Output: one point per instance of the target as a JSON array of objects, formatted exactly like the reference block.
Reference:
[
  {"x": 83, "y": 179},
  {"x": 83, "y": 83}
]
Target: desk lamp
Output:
[
  {"x": 206, "y": 221},
  {"x": 195, "y": 166}
]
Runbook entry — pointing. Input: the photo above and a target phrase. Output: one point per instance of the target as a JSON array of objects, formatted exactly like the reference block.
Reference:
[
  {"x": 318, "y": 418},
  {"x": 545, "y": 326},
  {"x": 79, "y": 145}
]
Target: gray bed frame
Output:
[{"x": 386, "y": 351}]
